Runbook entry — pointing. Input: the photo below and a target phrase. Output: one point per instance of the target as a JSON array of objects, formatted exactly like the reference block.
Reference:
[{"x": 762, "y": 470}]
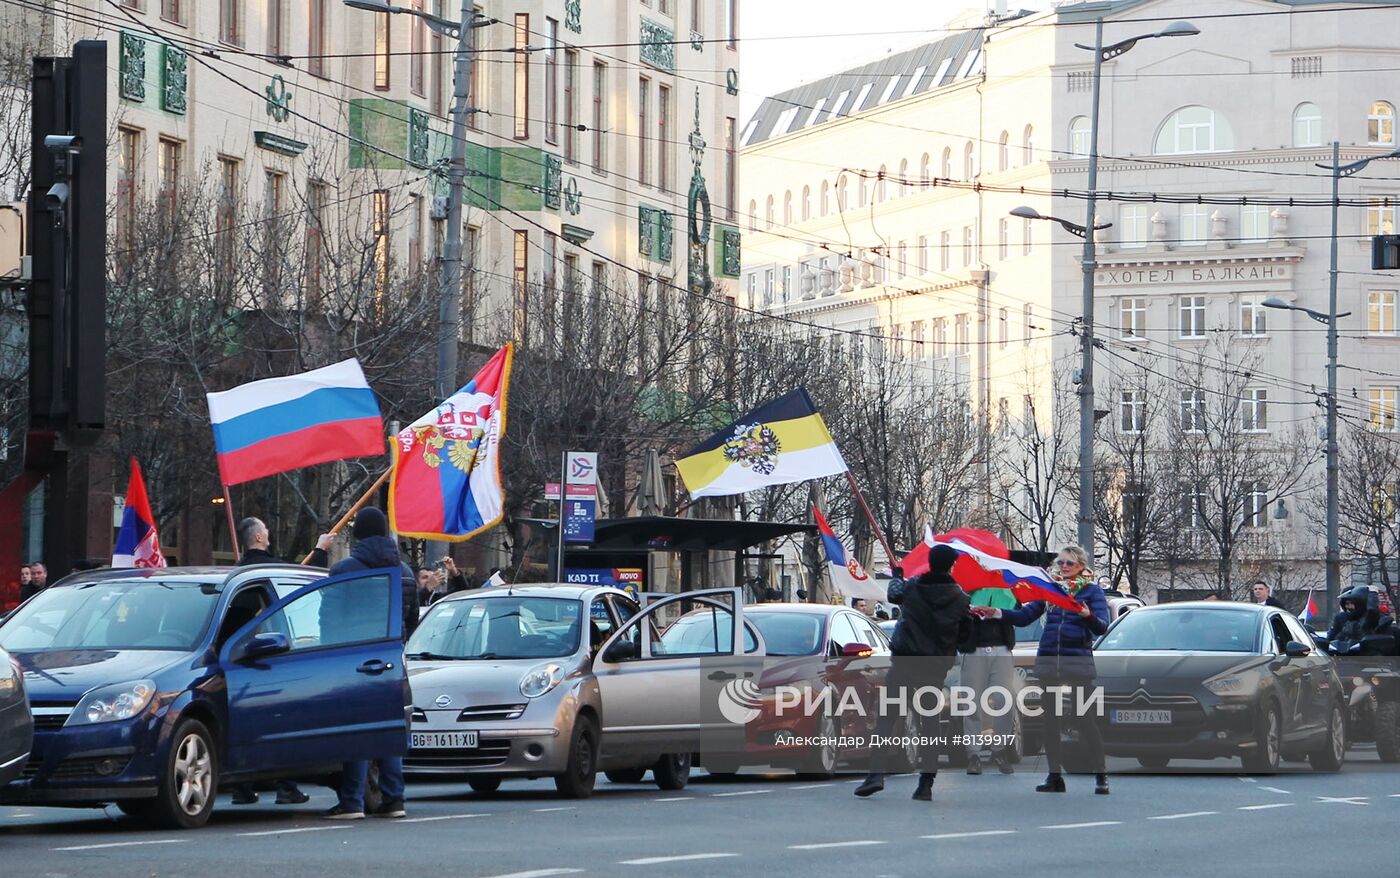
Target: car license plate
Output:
[
  {"x": 444, "y": 740},
  {"x": 1142, "y": 717}
]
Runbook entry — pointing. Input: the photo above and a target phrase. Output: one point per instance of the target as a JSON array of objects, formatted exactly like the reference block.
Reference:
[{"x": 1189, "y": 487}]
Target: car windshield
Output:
[
  {"x": 506, "y": 627},
  {"x": 113, "y": 614},
  {"x": 788, "y": 633},
  {"x": 1184, "y": 630}
]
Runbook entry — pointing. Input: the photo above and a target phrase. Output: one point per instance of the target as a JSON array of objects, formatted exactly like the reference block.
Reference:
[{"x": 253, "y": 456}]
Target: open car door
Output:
[{"x": 319, "y": 676}]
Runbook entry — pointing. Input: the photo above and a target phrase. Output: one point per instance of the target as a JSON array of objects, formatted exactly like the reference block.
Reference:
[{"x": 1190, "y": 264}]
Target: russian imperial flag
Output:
[
  {"x": 138, "y": 543},
  {"x": 782, "y": 442},
  {"x": 446, "y": 482},
  {"x": 848, "y": 576},
  {"x": 278, "y": 424}
]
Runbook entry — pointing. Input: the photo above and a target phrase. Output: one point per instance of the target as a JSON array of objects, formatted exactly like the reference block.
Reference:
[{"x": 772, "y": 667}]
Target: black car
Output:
[
  {"x": 1208, "y": 680},
  {"x": 16, "y": 723}
]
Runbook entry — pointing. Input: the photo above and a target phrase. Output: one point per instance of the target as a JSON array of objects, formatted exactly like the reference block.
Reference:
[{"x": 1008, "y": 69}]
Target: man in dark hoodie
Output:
[
  {"x": 933, "y": 620},
  {"x": 375, "y": 548}
]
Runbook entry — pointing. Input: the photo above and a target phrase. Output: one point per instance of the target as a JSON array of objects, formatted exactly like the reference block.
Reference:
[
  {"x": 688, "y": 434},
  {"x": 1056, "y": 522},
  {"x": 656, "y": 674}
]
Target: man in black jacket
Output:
[{"x": 933, "y": 620}]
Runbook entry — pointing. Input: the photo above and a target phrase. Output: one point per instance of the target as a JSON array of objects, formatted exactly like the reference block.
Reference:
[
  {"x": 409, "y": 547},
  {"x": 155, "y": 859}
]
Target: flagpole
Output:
[
  {"x": 359, "y": 504},
  {"x": 874, "y": 525},
  {"x": 232, "y": 528}
]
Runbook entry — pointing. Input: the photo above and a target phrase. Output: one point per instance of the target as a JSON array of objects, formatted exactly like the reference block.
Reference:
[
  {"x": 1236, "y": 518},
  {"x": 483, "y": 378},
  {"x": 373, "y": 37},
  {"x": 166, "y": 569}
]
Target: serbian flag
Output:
[
  {"x": 138, "y": 544},
  {"x": 848, "y": 577},
  {"x": 278, "y": 424},
  {"x": 446, "y": 482},
  {"x": 984, "y": 562},
  {"x": 1310, "y": 610}
]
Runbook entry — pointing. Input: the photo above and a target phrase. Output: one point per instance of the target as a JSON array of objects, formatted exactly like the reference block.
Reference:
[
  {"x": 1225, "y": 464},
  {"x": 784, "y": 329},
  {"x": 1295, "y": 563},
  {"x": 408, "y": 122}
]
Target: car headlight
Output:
[
  {"x": 112, "y": 703},
  {"x": 540, "y": 680},
  {"x": 1231, "y": 685}
]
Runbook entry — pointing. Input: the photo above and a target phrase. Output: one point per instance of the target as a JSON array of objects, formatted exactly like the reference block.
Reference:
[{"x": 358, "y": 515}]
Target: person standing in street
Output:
[
  {"x": 933, "y": 621},
  {"x": 1263, "y": 595},
  {"x": 986, "y": 664},
  {"x": 38, "y": 580},
  {"x": 374, "y": 548},
  {"x": 1065, "y": 659}
]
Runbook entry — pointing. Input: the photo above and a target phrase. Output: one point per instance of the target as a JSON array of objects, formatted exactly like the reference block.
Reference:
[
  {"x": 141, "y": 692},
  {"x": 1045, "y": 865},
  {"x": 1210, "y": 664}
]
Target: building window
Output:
[
  {"x": 417, "y": 43},
  {"x": 1307, "y": 125},
  {"x": 842, "y": 193},
  {"x": 1380, "y": 312},
  {"x": 170, "y": 164},
  {"x": 437, "y": 61},
  {"x": 1132, "y": 231},
  {"x": 128, "y": 183},
  {"x": 381, "y": 232},
  {"x": 902, "y": 260},
  {"x": 824, "y": 206},
  {"x": 1193, "y": 410},
  {"x": 967, "y": 246},
  {"x": 917, "y": 347},
  {"x": 806, "y": 208},
  {"x": 961, "y": 338},
  {"x": 1026, "y": 241},
  {"x": 945, "y": 250},
  {"x": 1003, "y": 238},
  {"x": 1193, "y": 506},
  {"x": 1192, "y": 310},
  {"x": 769, "y": 282},
  {"x": 1028, "y": 145},
  {"x": 520, "y": 282},
  {"x": 551, "y": 80},
  {"x": 663, "y": 137},
  {"x": 1380, "y": 124},
  {"x": 1256, "y": 504},
  {"x": 231, "y": 22},
  {"x": 315, "y": 238},
  {"x": 946, "y": 167},
  {"x": 522, "y": 76},
  {"x": 1193, "y": 129},
  {"x": 1133, "y": 318},
  {"x": 922, "y": 256},
  {"x": 644, "y": 131},
  {"x": 276, "y": 28},
  {"x": 1079, "y": 136},
  {"x": 173, "y": 11},
  {"x": 316, "y": 38},
  {"x": 1004, "y": 151},
  {"x": 1027, "y": 322},
  {"x": 415, "y": 231},
  {"x": 1003, "y": 329},
  {"x": 1382, "y": 404},
  {"x": 1380, "y": 217},
  {"x": 1195, "y": 224},
  {"x": 969, "y": 162},
  {"x": 570, "y": 105},
  {"x": 1254, "y": 410},
  {"x": 1253, "y": 316},
  {"x": 697, "y": 17},
  {"x": 940, "y": 338},
  {"x": 768, "y": 216},
  {"x": 600, "y": 117},
  {"x": 731, "y": 23},
  {"x": 381, "y": 51},
  {"x": 1254, "y": 223},
  {"x": 1132, "y": 411},
  {"x": 731, "y": 170}
]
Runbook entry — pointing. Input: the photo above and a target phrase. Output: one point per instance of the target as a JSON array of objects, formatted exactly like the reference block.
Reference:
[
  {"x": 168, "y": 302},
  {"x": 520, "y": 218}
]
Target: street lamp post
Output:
[{"x": 1102, "y": 53}]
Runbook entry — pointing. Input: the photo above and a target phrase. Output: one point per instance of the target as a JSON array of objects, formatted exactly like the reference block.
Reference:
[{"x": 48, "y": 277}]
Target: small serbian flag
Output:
[
  {"x": 1310, "y": 610},
  {"x": 278, "y": 424},
  {"x": 446, "y": 482},
  {"x": 138, "y": 544},
  {"x": 848, "y": 577}
]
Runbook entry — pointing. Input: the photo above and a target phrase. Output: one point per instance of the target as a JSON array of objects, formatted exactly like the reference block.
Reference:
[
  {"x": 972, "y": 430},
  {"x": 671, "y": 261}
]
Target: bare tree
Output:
[
  {"x": 1035, "y": 467},
  {"x": 1368, "y": 500}
]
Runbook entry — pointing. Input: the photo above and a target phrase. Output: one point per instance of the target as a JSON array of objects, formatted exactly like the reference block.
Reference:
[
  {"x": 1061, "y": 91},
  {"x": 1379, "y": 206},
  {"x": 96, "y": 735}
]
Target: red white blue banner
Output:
[
  {"x": 848, "y": 576},
  {"x": 138, "y": 543}
]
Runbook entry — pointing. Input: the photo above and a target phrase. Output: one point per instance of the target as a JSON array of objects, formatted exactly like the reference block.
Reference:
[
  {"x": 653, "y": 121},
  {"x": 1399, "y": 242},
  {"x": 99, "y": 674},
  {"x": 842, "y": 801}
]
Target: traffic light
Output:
[
  {"x": 1385, "y": 252},
  {"x": 68, "y": 245}
]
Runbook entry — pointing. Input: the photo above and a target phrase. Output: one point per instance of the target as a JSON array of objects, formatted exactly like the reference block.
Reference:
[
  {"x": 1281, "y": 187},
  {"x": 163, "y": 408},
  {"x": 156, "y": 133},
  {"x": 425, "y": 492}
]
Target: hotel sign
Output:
[{"x": 1193, "y": 274}]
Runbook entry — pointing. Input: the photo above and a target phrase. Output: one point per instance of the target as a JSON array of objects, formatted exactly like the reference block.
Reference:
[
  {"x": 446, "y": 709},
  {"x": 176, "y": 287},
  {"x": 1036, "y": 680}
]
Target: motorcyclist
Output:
[{"x": 1360, "y": 617}]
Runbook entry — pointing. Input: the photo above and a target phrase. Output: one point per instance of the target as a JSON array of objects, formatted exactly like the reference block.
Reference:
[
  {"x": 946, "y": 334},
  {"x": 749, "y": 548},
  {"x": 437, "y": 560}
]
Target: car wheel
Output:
[
  {"x": 626, "y": 775},
  {"x": 820, "y": 763},
  {"x": 485, "y": 784},
  {"x": 186, "y": 793},
  {"x": 1263, "y": 757},
  {"x": 1155, "y": 763},
  {"x": 1388, "y": 731},
  {"x": 578, "y": 778},
  {"x": 1332, "y": 753},
  {"x": 672, "y": 771}
]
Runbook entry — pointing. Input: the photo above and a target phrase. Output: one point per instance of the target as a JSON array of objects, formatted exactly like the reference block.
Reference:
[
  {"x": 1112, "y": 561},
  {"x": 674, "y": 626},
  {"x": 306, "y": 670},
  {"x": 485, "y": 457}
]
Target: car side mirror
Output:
[
  {"x": 620, "y": 651},
  {"x": 1296, "y": 649},
  {"x": 266, "y": 644},
  {"x": 856, "y": 650}
]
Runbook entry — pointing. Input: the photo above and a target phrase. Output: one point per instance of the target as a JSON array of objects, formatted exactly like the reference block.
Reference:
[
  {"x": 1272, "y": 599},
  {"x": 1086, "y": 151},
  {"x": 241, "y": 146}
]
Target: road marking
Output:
[
  {"x": 1184, "y": 815},
  {"x": 440, "y": 817},
  {"x": 1277, "y": 790},
  {"x": 1265, "y": 807},
  {"x": 675, "y": 799},
  {"x": 539, "y": 873},
  {"x": 980, "y": 834},
  {"x": 547, "y": 810},
  {"x": 122, "y": 844},
  {"x": 1342, "y": 800},
  {"x": 290, "y": 831},
  {"x": 834, "y": 844},
  {"x": 679, "y": 858},
  {"x": 817, "y": 786},
  {"x": 742, "y": 793},
  {"x": 1089, "y": 825}
]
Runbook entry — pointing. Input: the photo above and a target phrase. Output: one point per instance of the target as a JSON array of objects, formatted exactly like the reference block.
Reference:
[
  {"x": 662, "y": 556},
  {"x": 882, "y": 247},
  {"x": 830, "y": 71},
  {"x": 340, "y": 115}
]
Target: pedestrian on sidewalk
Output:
[
  {"x": 38, "y": 580},
  {"x": 933, "y": 621},
  {"x": 986, "y": 666},
  {"x": 1065, "y": 659},
  {"x": 374, "y": 548}
]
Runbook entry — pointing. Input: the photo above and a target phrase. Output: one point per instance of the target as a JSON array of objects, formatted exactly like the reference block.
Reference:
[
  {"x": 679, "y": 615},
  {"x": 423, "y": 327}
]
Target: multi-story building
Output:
[
  {"x": 880, "y": 198},
  {"x": 596, "y": 130}
]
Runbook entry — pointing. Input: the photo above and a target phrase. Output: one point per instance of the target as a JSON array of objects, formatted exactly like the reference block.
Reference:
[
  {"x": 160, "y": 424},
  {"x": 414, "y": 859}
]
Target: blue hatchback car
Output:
[{"x": 152, "y": 688}]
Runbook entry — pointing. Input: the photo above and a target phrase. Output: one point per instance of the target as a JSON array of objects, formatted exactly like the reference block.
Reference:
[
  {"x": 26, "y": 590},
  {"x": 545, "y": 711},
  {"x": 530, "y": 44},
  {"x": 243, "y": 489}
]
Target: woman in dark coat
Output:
[{"x": 1066, "y": 658}]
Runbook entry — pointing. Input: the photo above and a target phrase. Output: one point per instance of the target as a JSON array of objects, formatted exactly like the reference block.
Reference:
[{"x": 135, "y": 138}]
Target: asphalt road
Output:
[{"x": 1213, "y": 823}]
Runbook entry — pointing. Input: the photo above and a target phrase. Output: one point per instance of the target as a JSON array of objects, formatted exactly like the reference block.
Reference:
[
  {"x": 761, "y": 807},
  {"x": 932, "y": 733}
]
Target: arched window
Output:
[
  {"x": 806, "y": 203},
  {"x": 1079, "y": 136},
  {"x": 1307, "y": 125},
  {"x": 843, "y": 192},
  {"x": 753, "y": 215},
  {"x": 969, "y": 162},
  {"x": 882, "y": 185},
  {"x": 768, "y": 213},
  {"x": 861, "y": 191},
  {"x": 924, "y": 171},
  {"x": 1028, "y": 145},
  {"x": 1003, "y": 152},
  {"x": 826, "y": 198},
  {"x": 787, "y": 208},
  {"x": 947, "y": 167},
  {"x": 1380, "y": 125},
  {"x": 902, "y": 184},
  {"x": 1194, "y": 129}
]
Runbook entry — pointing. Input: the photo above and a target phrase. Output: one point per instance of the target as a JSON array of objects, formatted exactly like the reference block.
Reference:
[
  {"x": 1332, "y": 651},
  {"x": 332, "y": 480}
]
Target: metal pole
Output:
[
  {"x": 1086, "y": 369},
  {"x": 563, "y": 498},
  {"x": 450, "y": 290},
  {"x": 1334, "y": 560}
]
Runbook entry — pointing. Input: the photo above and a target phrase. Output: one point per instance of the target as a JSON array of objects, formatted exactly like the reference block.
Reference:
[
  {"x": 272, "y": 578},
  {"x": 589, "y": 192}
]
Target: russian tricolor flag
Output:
[
  {"x": 278, "y": 424},
  {"x": 138, "y": 543}
]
